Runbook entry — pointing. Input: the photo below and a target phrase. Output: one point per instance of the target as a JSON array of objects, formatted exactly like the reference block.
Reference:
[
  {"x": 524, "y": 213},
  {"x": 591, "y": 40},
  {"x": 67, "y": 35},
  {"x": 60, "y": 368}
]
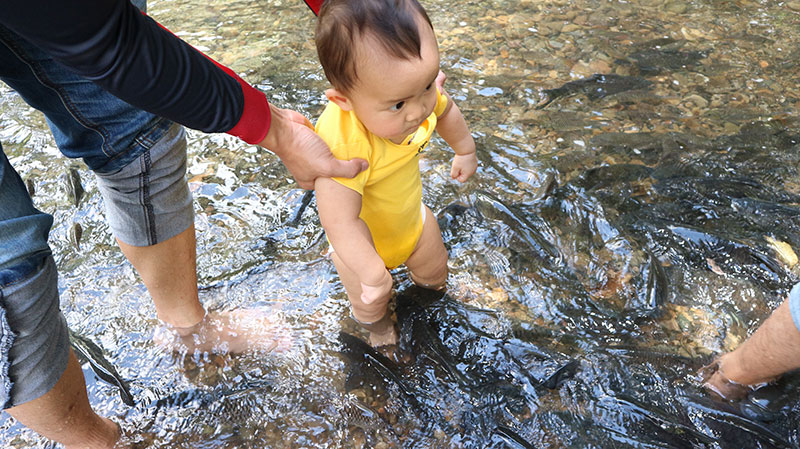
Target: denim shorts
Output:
[{"x": 140, "y": 162}]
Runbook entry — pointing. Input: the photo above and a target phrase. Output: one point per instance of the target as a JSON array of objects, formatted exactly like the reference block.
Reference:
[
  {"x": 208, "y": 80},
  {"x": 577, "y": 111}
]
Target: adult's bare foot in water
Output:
[{"x": 231, "y": 331}]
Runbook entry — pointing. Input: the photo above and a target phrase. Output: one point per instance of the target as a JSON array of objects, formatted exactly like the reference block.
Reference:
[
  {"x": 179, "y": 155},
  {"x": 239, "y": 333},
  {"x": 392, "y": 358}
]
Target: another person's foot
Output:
[
  {"x": 719, "y": 385},
  {"x": 124, "y": 441},
  {"x": 718, "y": 379},
  {"x": 234, "y": 331}
]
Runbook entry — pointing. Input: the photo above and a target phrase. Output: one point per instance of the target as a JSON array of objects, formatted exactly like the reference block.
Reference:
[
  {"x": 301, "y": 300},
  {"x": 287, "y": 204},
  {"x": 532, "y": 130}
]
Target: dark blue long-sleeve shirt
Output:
[{"x": 127, "y": 53}]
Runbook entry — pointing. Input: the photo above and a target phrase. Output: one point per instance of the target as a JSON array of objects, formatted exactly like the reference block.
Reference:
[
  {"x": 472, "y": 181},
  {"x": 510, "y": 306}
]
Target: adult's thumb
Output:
[{"x": 348, "y": 169}]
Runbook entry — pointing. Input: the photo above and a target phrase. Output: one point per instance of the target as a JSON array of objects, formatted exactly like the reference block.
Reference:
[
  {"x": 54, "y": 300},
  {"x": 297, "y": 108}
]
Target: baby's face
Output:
[{"x": 393, "y": 96}]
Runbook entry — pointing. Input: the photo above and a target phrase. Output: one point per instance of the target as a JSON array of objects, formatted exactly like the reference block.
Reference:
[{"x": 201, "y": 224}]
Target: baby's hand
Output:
[
  {"x": 372, "y": 293},
  {"x": 464, "y": 166}
]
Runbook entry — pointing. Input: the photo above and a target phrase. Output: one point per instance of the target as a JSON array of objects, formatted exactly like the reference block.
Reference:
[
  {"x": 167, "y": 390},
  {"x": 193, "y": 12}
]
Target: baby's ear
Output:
[{"x": 339, "y": 98}]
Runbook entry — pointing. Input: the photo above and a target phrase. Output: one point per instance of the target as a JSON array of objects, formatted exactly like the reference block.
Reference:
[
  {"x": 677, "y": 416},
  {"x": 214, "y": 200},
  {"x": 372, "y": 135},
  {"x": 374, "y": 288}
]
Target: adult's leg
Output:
[
  {"x": 173, "y": 285},
  {"x": 41, "y": 383},
  {"x": 140, "y": 161},
  {"x": 428, "y": 262},
  {"x": 149, "y": 209},
  {"x": 63, "y": 414}
]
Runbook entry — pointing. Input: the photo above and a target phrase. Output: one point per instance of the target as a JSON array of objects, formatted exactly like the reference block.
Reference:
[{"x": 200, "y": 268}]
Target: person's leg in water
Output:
[
  {"x": 140, "y": 161},
  {"x": 63, "y": 414},
  {"x": 41, "y": 383},
  {"x": 150, "y": 212},
  {"x": 772, "y": 350},
  {"x": 428, "y": 262},
  {"x": 374, "y": 317}
]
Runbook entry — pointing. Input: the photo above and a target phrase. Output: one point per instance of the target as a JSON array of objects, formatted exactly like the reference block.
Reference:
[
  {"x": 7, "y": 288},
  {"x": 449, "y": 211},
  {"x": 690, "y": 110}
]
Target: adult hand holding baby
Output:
[{"x": 292, "y": 138}]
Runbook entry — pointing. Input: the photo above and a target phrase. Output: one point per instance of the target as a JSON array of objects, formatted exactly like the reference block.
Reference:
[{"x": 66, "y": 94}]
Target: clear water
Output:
[{"x": 620, "y": 232}]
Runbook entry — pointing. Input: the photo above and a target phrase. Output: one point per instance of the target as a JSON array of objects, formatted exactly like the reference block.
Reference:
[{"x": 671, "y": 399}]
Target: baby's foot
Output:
[
  {"x": 234, "y": 331},
  {"x": 382, "y": 332},
  {"x": 384, "y": 338}
]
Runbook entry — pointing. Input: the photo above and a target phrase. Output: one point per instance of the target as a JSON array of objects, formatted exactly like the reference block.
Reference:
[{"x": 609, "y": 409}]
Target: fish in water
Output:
[
  {"x": 75, "y": 234},
  {"x": 594, "y": 87},
  {"x": 512, "y": 438},
  {"x": 74, "y": 186},
  {"x": 546, "y": 188},
  {"x": 357, "y": 414},
  {"x": 654, "y": 61},
  {"x": 31, "y": 186},
  {"x": 464, "y": 374},
  {"x": 662, "y": 54},
  {"x": 308, "y": 195},
  {"x": 88, "y": 352}
]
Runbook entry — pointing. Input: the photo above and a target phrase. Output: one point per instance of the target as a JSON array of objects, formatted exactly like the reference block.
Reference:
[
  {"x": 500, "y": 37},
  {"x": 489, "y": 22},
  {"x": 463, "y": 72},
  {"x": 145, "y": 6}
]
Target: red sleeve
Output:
[
  {"x": 315, "y": 5},
  {"x": 111, "y": 43},
  {"x": 256, "y": 118}
]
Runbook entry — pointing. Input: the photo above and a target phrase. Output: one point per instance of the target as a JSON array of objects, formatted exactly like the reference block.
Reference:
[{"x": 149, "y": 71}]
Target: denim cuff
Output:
[
  {"x": 34, "y": 341},
  {"x": 794, "y": 304},
  {"x": 148, "y": 201}
]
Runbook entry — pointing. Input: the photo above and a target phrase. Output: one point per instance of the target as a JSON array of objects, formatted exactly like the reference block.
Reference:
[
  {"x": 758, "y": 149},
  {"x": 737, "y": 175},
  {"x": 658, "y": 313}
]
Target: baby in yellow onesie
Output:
[{"x": 382, "y": 60}]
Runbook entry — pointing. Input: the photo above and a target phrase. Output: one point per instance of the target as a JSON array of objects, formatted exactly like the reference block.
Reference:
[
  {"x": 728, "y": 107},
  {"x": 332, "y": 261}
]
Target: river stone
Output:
[
  {"x": 698, "y": 101},
  {"x": 677, "y": 7}
]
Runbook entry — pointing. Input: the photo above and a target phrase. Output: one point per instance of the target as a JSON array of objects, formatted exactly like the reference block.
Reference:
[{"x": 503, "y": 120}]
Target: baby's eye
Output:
[
  {"x": 429, "y": 86},
  {"x": 397, "y": 107}
]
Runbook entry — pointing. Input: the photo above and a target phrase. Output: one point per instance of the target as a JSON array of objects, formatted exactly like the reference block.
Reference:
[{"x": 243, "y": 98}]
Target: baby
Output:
[{"x": 382, "y": 60}]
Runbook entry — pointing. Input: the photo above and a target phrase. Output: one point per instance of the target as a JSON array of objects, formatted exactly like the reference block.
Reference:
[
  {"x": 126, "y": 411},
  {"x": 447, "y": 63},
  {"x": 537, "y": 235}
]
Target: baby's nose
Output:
[{"x": 417, "y": 113}]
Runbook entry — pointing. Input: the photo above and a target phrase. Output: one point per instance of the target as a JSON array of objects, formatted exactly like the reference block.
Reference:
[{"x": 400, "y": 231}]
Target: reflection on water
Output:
[{"x": 636, "y": 211}]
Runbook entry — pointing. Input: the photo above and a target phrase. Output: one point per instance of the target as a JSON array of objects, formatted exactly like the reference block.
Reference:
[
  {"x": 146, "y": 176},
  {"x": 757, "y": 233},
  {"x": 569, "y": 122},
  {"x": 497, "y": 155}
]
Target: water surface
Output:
[{"x": 635, "y": 213}]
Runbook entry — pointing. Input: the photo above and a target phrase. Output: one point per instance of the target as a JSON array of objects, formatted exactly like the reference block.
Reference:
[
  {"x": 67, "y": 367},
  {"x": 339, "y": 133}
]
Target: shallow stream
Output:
[{"x": 636, "y": 211}]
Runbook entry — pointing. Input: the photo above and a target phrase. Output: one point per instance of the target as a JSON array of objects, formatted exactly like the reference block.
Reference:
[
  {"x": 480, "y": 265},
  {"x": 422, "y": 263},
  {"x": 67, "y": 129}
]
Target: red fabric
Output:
[
  {"x": 315, "y": 5},
  {"x": 256, "y": 118}
]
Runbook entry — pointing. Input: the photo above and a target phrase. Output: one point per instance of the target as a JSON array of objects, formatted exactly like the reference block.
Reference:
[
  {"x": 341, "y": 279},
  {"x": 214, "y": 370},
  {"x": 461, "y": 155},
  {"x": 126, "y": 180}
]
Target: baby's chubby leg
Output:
[
  {"x": 374, "y": 317},
  {"x": 428, "y": 262}
]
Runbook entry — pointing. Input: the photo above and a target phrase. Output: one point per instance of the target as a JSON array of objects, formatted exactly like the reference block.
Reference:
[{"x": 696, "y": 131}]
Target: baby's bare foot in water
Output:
[
  {"x": 234, "y": 331},
  {"x": 385, "y": 338}
]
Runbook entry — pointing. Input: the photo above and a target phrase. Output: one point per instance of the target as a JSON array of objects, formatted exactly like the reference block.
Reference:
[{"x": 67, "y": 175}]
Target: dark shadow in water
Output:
[
  {"x": 467, "y": 374},
  {"x": 600, "y": 371}
]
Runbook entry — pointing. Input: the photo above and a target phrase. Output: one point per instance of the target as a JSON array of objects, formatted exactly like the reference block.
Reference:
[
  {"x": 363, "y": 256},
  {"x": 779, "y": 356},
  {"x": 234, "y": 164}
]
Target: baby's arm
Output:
[
  {"x": 339, "y": 208},
  {"x": 453, "y": 129}
]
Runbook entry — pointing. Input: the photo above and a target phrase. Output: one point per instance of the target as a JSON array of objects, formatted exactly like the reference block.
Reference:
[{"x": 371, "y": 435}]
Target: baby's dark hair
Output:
[{"x": 341, "y": 22}]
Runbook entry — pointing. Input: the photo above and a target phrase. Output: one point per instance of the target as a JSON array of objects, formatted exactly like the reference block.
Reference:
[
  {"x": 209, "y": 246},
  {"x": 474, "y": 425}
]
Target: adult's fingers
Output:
[
  {"x": 440, "y": 79},
  {"x": 347, "y": 169}
]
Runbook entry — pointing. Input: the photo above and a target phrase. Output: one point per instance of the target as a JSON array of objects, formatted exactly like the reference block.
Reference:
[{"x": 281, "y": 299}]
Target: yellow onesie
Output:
[{"x": 391, "y": 188}]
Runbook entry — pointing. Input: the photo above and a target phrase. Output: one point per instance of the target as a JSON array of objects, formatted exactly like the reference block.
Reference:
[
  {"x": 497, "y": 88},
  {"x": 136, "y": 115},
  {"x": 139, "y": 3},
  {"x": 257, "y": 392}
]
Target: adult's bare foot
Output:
[
  {"x": 105, "y": 435},
  {"x": 234, "y": 331}
]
